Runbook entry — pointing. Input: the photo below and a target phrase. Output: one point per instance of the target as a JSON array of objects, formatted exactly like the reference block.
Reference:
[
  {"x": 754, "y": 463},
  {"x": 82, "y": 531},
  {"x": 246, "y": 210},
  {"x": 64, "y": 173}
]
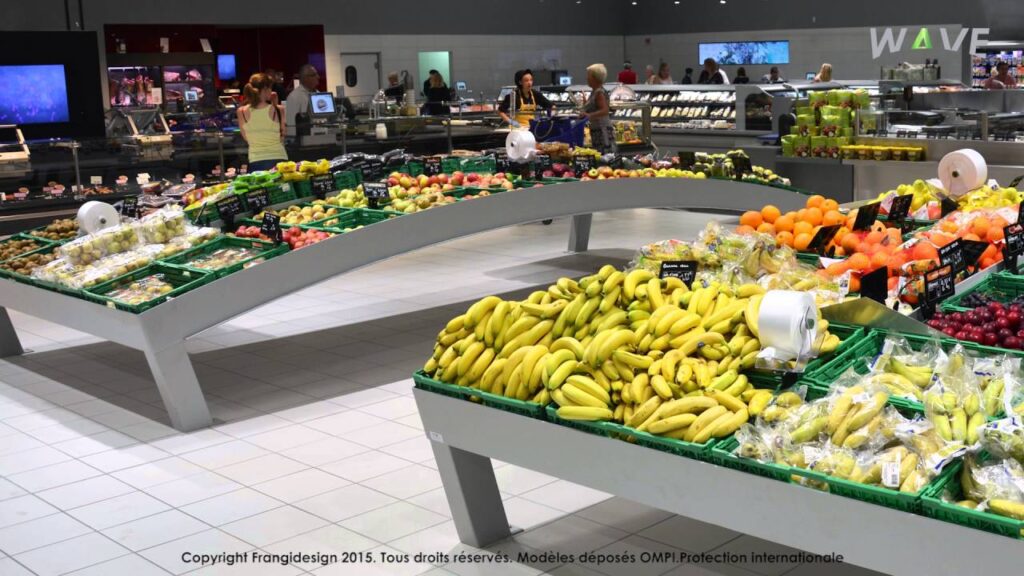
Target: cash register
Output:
[{"x": 320, "y": 125}]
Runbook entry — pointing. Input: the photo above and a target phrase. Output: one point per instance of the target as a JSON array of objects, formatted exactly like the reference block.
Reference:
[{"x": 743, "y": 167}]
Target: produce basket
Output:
[
  {"x": 724, "y": 454},
  {"x": 41, "y": 243},
  {"x": 32, "y": 233},
  {"x": 303, "y": 188},
  {"x": 181, "y": 279},
  {"x": 267, "y": 250},
  {"x": 521, "y": 407},
  {"x": 29, "y": 279},
  {"x": 350, "y": 218},
  {"x": 934, "y": 506},
  {"x": 1001, "y": 284},
  {"x": 413, "y": 168},
  {"x": 851, "y": 336},
  {"x": 478, "y": 164},
  {"x": 346, "y": 180},
  {"x": 281, "y": 193}
]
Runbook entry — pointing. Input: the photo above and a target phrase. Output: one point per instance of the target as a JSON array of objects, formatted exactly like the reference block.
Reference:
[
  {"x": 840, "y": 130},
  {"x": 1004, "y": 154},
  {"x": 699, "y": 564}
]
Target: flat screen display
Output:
[
  {"x": 33, "y": 94},
  {"x": 226, "y": 66},
  {"x": 321, "y": 104},
  {"x": 763, "y": 52}
]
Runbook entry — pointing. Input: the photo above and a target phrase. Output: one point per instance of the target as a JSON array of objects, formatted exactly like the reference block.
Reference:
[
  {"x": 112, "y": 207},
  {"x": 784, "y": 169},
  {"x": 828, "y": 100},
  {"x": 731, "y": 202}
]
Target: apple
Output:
[
  {"x": 593, "y": 173},
  {"x": 392, "y": 181},
  {"x": 472, "y": 177},
  {"x": 508, "y": 185},
  {"x": 405, "y": 182}
]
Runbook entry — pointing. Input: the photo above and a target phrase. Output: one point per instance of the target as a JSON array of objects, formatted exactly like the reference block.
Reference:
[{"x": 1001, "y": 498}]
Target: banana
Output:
[
  {"x": 665, "y": 321},
  {"x": 481, "y": 364},
  {"x": 451, "y": 373},
  {"x": 992, "y": 395},
  {"x": 615, "y": 279},
  {"x": 545, "y": 311},
  {"x": 455, "y": 324},
  {"x": 1007, "y": 508},
  {"x": 634, "y": 278},
  {"x": 666, "y": 425},
  {"x": 706, "y": 304},
  {"x": 478, "y": 310},
  {"x": 724, "y": 426},
  {"x": 639, "y": 384},
  {"x": 449, "y": 356},
  {"x": 580, "y": 397},
  {"x": 616, "y": 340},
  {"x": 688, "y": 347},
  {"x": 610, "y": 299},
  {"x": 661, "y": 387},
  {"x": 568, "y": 343},
  {"x": 645, "y": 411},
  {"x": 586, "y": 312},
  {"x": 612, "y": 320},
  {"x": 977, "y": 420},
  {"x": 942, "y": 426},
  {"x": 530, "y": 361},
  {"x": 584, "y": 413},
  {"x": 491, "y": 374},
  {"x": 625, "y": 372},
  {"x": 723, "y": 315},
  {"x": 634, "y": 361},
  {"x": 589, "y": 386},
  {"x": 609, "y": 370},
  {"x": 431, "y": 366},
  {"x": 758, "y": 402},
  {"x": 469, "y": 357},
  {"x": 958, "y": 424},
  {"x": 654, "y": 293},
  {"x": 858, "y": 438},
  {"x": 841, "y": 408},
  {"x": 706, "y": 418},
  {"x": 536, "y": 297},
  {"x": 869, "y": 410},
  {"x": 724, "y": 381},
  {"x": 751, "y": 314},
  {"x": 560, "y": 374},
  {"x": 733, "y": 403},
  {"x": 748, "y": 290}
]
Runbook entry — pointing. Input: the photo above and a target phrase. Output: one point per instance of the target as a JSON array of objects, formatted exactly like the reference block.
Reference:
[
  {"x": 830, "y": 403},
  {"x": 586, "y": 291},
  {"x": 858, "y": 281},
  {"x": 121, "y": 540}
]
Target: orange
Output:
[
  {"x": 986, "y": 262},
  {"x": 784, "y": 238},
  {"x": 814, "y": 216},
  {"x": 766, "y": 228},
  {"x": 949, "y": 226},
  {"x": 792, "y": 214},
  {"x": 801, "y": 214},
  {"x": 974, "y": 237},
  {"x": 802, "y": 241},
  {"x": 894, "y": 235},
  {"x": 877, "y": 226},
  {"x": 859, "y": 262},
  {"x": 874, "y": 237},
  {"x": 840, "y": 252},
  {"x": 815, "y": 201},
  {"x": 893, "y": 283},
  {"x": 743, "y": 230},
  {"x": 867, "y": 248},
  {"x": 925, "y": 251},
  {"x": 999, "y": 222},
  {"x": 829, "y": 205},
  {"x": 989, "y": 252},
  {"x": 803, "y": 228},
  {"x": 851, "y": 219},
  {"x": 896, "y": 261},
  {"x": 854, "y": 284},
  {"x": 980, "y": 226},
  {"x": 784, "y": 224},
  {"x": 751, "y": 218},
  {"x": 994, "y": 234},
  {"x": 833, "y": 217},
  {"x": 770, "y": 213},
  {"x": 838, "y": 268},
  {"x": 850, "y": 242},
  {"x": 879, "y": 260}
]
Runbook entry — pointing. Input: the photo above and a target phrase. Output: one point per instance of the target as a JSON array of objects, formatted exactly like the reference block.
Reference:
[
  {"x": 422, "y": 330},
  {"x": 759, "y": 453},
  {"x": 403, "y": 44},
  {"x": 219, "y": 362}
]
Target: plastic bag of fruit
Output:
[
  {"x": 954, "y": 401},
  {"x": 90, "y": 248},
  {"x": 162, "y": 225},
  {"x": 1004, "y": 438}
]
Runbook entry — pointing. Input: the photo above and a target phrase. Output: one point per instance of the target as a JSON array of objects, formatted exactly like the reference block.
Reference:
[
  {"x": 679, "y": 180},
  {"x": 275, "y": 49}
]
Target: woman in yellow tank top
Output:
[{"x": 261, "y": 121}]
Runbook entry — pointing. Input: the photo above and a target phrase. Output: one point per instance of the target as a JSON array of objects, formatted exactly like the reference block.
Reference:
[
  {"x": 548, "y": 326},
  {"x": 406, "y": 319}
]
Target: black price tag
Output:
[
  {"x": 1013, "y": 235},
  {"x": 1020, "y": 212},
  {"x": 973, "y": 250},
  {"x": 948, "y": 205},
  {"x": 821, "y": 239},
  {"x": 1015, "y": 181},
  {"x": 257, "y": 200},
  {"x": 900, "y": 210},
  {"x": 432, "y": 166},
  {"x": 130, "y": 206},
  {"x": 375, "y": 191},
  {"x": 685, "y": 270},
  {"x": 322, "y": 185},
  {"x": 545, "y": 162},
  {"x": 271, "y": 226},
  {"x": 866, "y": 216},
  {"x": 741, "y": 167},
  {"x": 228, "y": 208},
  {"x": 687, "y": 159},
  {"x": 875, "y": 284},
  {"x": 581, "y": 164},
  {"x": 939, "y": 285},
  {"x": 952, "y": 255}
]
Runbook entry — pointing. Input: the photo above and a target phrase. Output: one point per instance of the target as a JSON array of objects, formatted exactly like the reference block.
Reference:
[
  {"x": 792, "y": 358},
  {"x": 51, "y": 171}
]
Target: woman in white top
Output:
[{"x": 262, "y": 123}]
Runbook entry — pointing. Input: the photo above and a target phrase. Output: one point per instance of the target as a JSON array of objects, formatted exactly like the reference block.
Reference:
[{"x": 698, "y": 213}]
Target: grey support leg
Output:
[
  {"x": 9, "y": 343},
  {"x": 579, "y": 232},
  {"x": 473, "y": 495},
  {"x": 179, "y": 388}
]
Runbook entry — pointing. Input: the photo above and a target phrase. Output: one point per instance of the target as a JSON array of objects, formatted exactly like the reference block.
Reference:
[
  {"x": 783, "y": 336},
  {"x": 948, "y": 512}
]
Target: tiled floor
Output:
[{"x": 317, "y": 445}]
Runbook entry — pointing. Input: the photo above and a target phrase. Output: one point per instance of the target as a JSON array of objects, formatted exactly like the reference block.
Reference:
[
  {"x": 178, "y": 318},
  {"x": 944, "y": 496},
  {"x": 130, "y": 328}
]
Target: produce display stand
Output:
[
  {"x": 465, "y": 436},
  {"x": 161, "y": 331}
]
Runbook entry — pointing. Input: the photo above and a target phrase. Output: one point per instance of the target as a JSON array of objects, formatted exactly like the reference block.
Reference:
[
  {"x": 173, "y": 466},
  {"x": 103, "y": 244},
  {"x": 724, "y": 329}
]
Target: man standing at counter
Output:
[
  {"x": 1000, "y": 78},
  {"x": 712, "y": 74},
  {"x": 298, "y": 100},
  {"x": 773, "y": 77}
]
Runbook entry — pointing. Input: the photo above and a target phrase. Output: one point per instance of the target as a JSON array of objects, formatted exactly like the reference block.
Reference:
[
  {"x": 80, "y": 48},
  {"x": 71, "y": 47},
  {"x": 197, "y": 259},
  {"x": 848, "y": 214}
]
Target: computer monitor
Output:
[
  {"x": 565, "y": 81},
  {"x": 811, "y": 75},
  {"x": 191, "y": 96},
  {"x": 460, "y": 86},
  {"x": 321, "y": 105}
]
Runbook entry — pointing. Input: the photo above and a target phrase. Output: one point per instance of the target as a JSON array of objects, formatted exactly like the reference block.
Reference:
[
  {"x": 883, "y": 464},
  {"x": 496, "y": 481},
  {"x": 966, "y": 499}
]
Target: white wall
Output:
[
  {"x": 847, "y": 49},
  {"x": 484, "y": 62}
]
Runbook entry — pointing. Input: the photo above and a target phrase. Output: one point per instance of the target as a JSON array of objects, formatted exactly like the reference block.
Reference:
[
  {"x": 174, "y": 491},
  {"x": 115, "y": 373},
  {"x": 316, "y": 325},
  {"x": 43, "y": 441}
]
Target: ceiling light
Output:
[
  {"x": 721, "y": 1},
  {"x": 634, "y": 2}
]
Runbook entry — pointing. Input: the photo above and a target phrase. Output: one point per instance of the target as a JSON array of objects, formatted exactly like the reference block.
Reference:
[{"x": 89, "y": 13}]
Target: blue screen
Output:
[
  {"x": 768, "y": 52},
  {"x": 226, "y": 66},
  {"x": 36, "y": 94}
]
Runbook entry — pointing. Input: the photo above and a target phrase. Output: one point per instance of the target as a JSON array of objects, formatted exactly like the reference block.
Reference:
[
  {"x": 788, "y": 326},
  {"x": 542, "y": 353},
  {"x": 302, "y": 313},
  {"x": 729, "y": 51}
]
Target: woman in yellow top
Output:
[
  {"x": 527, "y": 101},
  {"x": 261, "y": 121}
]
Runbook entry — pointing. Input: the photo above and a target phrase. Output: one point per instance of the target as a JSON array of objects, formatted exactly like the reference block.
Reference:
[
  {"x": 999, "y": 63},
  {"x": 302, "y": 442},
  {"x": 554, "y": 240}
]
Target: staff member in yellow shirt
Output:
[
  {"x": 262, "y": 123},
  {"x": 527, "y": 101}
]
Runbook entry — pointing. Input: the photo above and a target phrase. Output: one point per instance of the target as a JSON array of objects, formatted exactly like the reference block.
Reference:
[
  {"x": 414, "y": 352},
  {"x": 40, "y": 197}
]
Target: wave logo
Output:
[{"x": 892, "y": 41}]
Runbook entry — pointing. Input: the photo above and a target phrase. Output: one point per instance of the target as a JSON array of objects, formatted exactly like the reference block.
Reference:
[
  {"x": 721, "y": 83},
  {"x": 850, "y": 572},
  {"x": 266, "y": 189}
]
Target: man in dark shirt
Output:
[
  {"x": 712, "y": 74},
  {"x": 395, "y": 89}
]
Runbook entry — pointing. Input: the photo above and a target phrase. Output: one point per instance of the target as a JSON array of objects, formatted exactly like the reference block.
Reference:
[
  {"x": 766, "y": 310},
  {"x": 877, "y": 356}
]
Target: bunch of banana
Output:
[
  {"x": 992, "y": 396},
  {"x": 693, "y": 419},
  {"x": 920, "y": 377},
  {"x": 911, "y": 478},
  {"x": 855, "y": 416},
  {"x": 897, "y": 384},
  {"x": 956, "y": 417},
  {"x": 974, "y": 492}
]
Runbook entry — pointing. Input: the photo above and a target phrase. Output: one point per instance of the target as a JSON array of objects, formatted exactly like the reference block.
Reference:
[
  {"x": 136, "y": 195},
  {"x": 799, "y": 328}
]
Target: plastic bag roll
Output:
[
  {"x": 787, "y": 323},
  {"x": 94, "y": 216},
  {"x": 520, "y": 145},
  {"x": 962, "y": 171}
]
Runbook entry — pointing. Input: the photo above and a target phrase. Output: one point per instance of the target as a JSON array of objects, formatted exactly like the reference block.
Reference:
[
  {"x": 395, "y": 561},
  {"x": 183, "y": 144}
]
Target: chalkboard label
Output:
[
  {"x": 875, "y": 284},
  {"x": 952, "y": 254},
  {"x": 948, "y": 205},
  {"x": 130, "y": 206},
  {"x": 939, "y": 285},
  {"x": 432, "y": 166},
  {"x": 1014, "y": 238},
  {"x": 257, "y": 199},
  {"x": 375, "y": 190},
  {"x": 687, "y": 159},
  {"x": 1020, "y": 211},
  {"x": 685, "y": 270},
  {"x": 1015, "y": 182},
  {"x": 581, "y": 164},
  {"x": 322, "y": 185},
  {"x": 900, "y": 209},
  {"x": 271, "y": 226},
  {"x": 866, "y": 216},
  {"x": 973, "y": 250},
  {"x": 741, "y": 166},
  {"x": 821, "y": 239},
  {"x": 545, "y": 162},
  {"x": 228, "y": 208}
]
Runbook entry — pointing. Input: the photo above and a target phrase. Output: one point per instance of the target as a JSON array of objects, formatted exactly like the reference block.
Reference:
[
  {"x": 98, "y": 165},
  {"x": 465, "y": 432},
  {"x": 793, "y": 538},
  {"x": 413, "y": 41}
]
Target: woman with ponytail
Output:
[{"x": 262, "y": 123}]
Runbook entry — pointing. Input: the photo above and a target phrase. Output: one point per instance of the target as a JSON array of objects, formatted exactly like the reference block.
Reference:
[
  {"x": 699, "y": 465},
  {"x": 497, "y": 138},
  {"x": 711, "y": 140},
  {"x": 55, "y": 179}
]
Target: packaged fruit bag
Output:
[{"x": 90, "y": 248}]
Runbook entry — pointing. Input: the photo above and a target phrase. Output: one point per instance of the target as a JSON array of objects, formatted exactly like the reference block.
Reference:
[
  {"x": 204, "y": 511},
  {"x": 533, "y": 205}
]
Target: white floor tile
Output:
[
  {"x": 40, "y": 532},
  {"x": 416, "y": 449},
  {"x": 194, "y": 488},
  {"x": 688, "y": 534},
  {"x": 273, "y": 526},
  {"x": 324, "y": 451},
  {"x": 10, "y": 567},
  {"x": 157, "y": 472},
  {"x": 344, "y": 502},
  {"x": 435, "y": 501},
  {"x": 118, "y": 510},
  {"x": 154, "y": 530},
  {"x": 565, "y": 496},
  {"x": 94, "y": 444},
  {"x": 9, "y": 490},
  {"x": 225, "y": 454},
  {"x": 85, "y": 492},
  {"x": 287, "y": 437},
  {"x": 525, "y": 514},
  {"x": 181, "y": 443},
  {"x": 405, "y": 482},
  {"x": 571, "y": 535},
  {"x": 71, "y": 555},
  {"x": 624, "y": 514},
  {"x": 341, "y": 424},
  {"x": 54, "y": 475},
  {"x": 439, "y": 538},
  {"x": 169, "y": 556},
  {"x": 113, "y": 460},
  {"x": 131, "y": 564},
  {"x": 517, "y": 480},
  {"x": 248, "y": 569},
  {"x": 393, "y": 521},
  {"x": 261, "y": 469},
  {"x": 26, "y": 460},
  {"x": 301, "y": 485},
  {"x": 232, "y": 506},
  {"x": 392, "y": 409},
  {"x": 365, "y": 466},
  {"x": 326, "y": 540}
]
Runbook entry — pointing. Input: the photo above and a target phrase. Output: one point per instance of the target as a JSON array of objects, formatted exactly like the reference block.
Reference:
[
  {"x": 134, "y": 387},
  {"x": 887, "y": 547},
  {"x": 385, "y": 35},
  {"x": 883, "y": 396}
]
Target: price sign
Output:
[
  {"x": 741, "y": 166},
  {"x": 948, "y": 205},
  {"x": 228, "y": 208},
  {"x": 1015, "y": 181},
  {"x": 866, "y": 216},
  {"x": 130, "y": 206},
  {"x": 687, "y": 159},
  {"x": 900, "y": 209},
  {"x": 939, "y": 285},
  {"x": 95, "y": 180},
  {"x": 581, "y": 164},
  {"x": 821, "y": 239},
  {"x": 271, "y": 227},
  {"x": 257, "y": 200},
  {"x": 432, "y": 166},
  {"x": 372, "y": 170},
  {"x": 322, "y": 184},
  {"x": 952, "y": 255},
  {"x": 502, "y": 164},
  {"x": 1014, "y": 238},
  {"x": 545, "y": 162},
  {"x": 973, "y": 250},
  {"x": 375, "y": 190},
  {"x": 1020, "y": 212},
  {"x": 685, "y": 270},
  {"x": 875, "y": 285}
]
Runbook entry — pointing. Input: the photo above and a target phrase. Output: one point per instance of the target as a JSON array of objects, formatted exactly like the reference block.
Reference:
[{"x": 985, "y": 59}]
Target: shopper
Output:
[
  {"x": 438, "y": 95},
  {"x": 773, "y": 77},
  {"x": 278, "y": 78},
  {"x": 298, "y": 99},
  {"x": 663, "y": 76},
  {"x": 712, "y": 73},
  {"x": 825, "y": 74},
  {"x": 597, "y": 111},
  {"x": 741, "y": 76},
  {"x": 1000, "y": 78},
  {"x": 687, "y": 76},
  {"x": 430, "y": 77},
  {"x": 395, "y": 89},
  {"x": 649, "y": 74},
  {"x": 628, "y": 75},
  {"x": 262, "y": 123},
  {"x": 527, "y": 101}
]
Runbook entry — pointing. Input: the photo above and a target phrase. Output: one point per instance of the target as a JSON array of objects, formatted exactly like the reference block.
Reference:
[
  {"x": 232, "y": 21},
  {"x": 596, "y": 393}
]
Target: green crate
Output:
[
  {"x": 350, "y": 218},
  {"x": 451, "y": 164},
  {"x": 621, "y": 432},
  {"x": 933, "y": 506},
  {"x": 1000, "y": 284},
  {"x": 303, "y": 188},
  {"x": 32, "y": 234},
  {"x": 42, "y": 243},
  {"x": 850, "y": 336},
  {"x": 282, "y": 192},
  {"x": 724, "y": 454},
  {"x": 29, "y": 279},
  {"x": 182, "y": 279},
  {"x": 521, "y": 407},
  {"x": 347, "y": 179},
  {"x": 267, "y": 250},
  {"x": 414, "y": 168}
]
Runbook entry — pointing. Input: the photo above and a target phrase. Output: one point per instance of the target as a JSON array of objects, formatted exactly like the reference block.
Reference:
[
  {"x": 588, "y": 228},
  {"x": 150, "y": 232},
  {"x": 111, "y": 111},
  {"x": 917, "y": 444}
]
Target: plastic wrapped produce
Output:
[
  {"x": 142, "y": 290},
  {"x": 90, "y": 248},
  {"x": 163, "y": 225}
]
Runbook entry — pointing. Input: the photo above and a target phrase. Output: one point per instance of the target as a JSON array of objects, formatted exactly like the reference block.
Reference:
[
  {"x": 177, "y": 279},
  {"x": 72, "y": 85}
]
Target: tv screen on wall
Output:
[
  {"x": 33, "y": 94},
  {"x": 763, "y": 52},
  {"x": 226, "y": 66}
]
